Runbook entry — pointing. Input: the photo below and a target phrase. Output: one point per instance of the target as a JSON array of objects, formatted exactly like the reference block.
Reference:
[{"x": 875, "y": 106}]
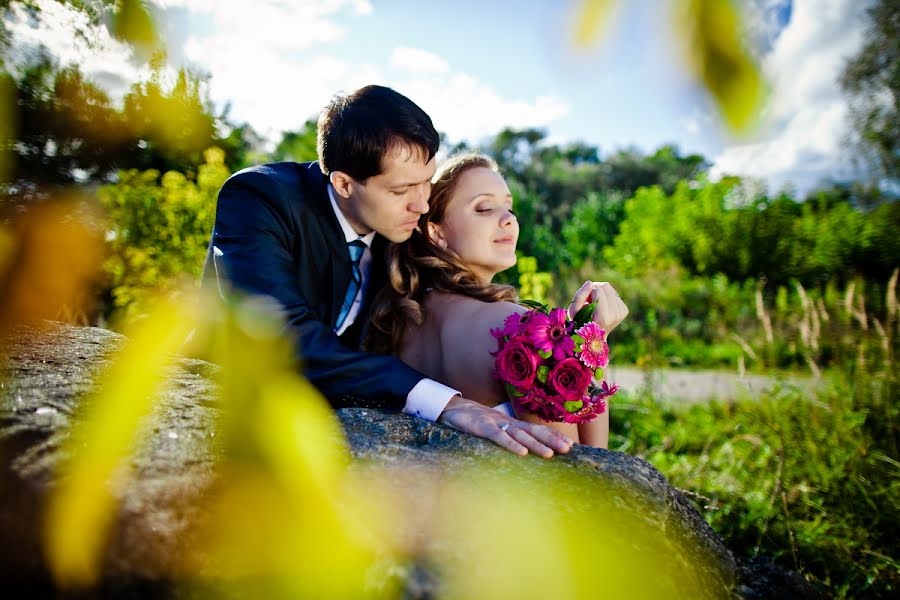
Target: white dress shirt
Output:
[{"x": 428, "y": 398}]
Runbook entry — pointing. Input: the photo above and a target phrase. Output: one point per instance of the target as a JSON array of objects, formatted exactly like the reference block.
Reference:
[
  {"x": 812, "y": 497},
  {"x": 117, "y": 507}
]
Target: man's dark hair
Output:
[{"x": 355, "y": 131}]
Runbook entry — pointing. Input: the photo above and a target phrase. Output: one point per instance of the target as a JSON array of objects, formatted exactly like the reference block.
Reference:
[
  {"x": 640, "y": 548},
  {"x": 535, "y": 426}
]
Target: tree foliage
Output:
[
  {"x": 158, "y": 229},
  {"x": 872, "y": 81}
]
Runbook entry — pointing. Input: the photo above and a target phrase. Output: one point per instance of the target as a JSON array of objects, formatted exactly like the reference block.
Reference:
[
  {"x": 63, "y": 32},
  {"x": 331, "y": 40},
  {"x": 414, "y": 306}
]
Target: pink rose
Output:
[
  {"x": 517, "y": 364},
  {"x": 569, "y": 378}
]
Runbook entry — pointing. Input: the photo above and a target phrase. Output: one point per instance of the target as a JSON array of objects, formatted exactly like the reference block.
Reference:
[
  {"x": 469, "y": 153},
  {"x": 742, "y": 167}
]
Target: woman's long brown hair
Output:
[{"x": 419, "y": 264}]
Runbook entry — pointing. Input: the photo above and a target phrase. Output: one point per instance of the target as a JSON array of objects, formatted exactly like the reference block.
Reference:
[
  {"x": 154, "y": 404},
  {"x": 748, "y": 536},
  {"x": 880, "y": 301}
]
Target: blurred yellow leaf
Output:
[
  {"x": 591, "y": 18},
  {"x": 568, "y": 536},
  {"x": 717, "y": 54},
  {"x": 279, "y": 521},
  {"x": 133, "y": 23},
  {"x": 52, "y": 261},
  {"x": 81, "y": 509}
]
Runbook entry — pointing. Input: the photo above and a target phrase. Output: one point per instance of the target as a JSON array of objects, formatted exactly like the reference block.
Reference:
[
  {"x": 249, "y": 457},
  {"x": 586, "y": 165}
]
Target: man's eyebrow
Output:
[{"x": 405, "y": 184}]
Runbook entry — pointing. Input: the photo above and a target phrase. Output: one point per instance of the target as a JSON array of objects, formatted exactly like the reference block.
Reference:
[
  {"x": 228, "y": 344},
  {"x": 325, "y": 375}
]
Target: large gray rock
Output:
[{"x": 47, "y": 371}]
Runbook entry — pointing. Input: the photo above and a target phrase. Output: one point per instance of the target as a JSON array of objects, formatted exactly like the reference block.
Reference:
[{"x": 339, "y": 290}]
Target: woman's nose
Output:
[{"x": 508, "y": 218}]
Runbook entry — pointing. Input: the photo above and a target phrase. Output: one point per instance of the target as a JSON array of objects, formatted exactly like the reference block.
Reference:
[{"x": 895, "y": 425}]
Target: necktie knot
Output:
[{"x": 356, "y": 248}]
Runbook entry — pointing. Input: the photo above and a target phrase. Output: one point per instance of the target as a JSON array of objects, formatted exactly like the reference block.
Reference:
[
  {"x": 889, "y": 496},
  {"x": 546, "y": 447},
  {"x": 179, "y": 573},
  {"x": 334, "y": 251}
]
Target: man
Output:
[{"x": 313, "y": 236}]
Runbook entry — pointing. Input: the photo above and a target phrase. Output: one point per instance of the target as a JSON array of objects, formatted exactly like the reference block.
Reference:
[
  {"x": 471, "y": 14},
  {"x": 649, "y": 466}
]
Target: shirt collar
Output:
[{"x": 349, "y": 233}]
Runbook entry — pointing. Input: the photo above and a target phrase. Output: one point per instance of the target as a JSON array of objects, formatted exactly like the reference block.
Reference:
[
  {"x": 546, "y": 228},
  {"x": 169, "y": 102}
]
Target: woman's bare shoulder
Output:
[
  {"x": 467, "y": 344},
  {"x": 465, "y": 313}
]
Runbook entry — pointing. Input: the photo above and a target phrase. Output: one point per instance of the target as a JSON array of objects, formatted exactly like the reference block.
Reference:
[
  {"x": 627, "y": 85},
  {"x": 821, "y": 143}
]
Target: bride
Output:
[{"x": 440, "y": 306}]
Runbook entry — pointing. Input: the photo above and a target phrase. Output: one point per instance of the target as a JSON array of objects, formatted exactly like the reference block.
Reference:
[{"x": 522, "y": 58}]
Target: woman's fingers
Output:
[
  {"x": 580, "y": 299},
  {"x": 610, "y": 309},
  {"x": 601, "y": 315}
]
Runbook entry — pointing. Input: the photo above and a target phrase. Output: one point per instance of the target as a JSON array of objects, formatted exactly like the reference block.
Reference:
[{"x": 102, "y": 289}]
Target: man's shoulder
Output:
[
  {"x": 282, "y": 171},
  {"x": 283, "y": 183}
]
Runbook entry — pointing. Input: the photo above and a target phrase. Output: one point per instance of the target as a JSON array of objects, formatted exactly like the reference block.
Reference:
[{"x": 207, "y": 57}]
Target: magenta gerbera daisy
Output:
[
  {"x": 594, "y": 349},
  {"x": 549, "y": 333},
  {"x": 516, "y": 323}
]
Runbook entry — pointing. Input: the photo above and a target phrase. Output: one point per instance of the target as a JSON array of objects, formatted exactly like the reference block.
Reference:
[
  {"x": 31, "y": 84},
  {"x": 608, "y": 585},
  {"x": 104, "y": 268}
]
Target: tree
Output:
[
  {"x": 299, "y": 146},
  {"x": 66, "y": 131},
  {"x": 872, "y": 81},
  {"x": 158, "y": 229},
  {"x": 172, "y": 127}
]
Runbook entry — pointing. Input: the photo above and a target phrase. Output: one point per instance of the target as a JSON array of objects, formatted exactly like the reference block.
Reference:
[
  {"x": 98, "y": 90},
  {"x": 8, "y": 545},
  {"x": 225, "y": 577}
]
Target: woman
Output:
[{"x": 441, "y": 304}]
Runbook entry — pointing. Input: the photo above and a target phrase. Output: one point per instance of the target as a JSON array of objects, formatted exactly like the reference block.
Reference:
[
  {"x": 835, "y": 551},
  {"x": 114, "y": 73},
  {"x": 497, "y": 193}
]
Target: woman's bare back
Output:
[{"x": 453, "y": 345}]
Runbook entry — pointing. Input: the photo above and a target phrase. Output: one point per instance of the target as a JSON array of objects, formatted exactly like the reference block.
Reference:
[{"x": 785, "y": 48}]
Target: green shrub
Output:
[{"x": 158, "y": 230}]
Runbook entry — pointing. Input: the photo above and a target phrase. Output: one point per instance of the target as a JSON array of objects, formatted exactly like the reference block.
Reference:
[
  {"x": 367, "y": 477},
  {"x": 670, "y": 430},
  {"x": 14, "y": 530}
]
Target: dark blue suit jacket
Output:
[{"x": 277, "y": 235}]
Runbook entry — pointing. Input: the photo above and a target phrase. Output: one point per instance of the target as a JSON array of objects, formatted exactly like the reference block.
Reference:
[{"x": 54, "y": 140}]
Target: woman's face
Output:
[{"x": 479, "y": 224}]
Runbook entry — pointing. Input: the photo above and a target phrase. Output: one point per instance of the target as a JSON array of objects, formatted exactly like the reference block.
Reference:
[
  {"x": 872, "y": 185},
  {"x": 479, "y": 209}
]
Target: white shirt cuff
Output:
[{"x": 428, "y": 399}]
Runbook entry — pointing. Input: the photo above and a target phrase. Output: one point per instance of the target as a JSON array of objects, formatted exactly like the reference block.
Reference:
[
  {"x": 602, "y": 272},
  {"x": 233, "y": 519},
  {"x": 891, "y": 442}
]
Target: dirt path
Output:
[{"x": 701, "y": 386}]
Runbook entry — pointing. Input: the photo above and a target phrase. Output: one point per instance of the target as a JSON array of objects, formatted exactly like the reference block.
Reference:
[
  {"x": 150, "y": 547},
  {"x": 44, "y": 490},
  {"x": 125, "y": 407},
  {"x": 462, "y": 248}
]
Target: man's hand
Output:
[
  {"x": 610, "y": 309},
  {"x": 518, "y": 436}
]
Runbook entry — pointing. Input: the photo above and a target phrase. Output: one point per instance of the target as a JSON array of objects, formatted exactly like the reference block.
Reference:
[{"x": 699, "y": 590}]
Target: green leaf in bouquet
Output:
[
  {"x": 542, "y": 373},
  {"x": 598, "y": 373},
  {"x": 512, "y": 391},
  {"x": 534, "y": 305},
  {"x": 573, "y": 406},
  {"x": 584, "y": 315},
  {"x": 545, "y": 354},
  {"x": 578, "y": 341}
]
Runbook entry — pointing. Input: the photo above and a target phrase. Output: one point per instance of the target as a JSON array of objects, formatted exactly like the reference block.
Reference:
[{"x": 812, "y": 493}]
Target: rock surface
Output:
[{"x": 46, "y": 372}]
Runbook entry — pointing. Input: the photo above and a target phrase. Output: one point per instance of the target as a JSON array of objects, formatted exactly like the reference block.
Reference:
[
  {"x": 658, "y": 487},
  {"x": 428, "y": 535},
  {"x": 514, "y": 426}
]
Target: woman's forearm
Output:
[{"x": 595, "y": 433}]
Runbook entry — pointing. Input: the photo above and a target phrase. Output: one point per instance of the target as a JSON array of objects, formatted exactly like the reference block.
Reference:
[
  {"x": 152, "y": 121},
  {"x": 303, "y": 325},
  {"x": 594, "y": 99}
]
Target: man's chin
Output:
[{"x": 399, "y": 236}]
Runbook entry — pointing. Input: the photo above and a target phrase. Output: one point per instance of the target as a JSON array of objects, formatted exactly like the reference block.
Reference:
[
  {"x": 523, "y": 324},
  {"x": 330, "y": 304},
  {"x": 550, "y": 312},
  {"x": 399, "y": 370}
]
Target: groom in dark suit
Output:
[{"x": 313, "y": 236}]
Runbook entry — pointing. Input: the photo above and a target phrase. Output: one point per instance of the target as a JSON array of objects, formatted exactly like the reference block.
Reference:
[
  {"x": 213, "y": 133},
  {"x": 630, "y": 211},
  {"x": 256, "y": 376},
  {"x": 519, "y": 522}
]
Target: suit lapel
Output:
[
  {"x": 341, "y": 270},
  {"x": 377, "y": 280}
]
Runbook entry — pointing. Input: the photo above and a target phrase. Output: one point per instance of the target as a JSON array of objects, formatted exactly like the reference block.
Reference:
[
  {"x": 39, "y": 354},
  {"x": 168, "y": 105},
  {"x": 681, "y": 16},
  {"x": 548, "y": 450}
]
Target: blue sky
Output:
[{"x": 477, "y": 67}]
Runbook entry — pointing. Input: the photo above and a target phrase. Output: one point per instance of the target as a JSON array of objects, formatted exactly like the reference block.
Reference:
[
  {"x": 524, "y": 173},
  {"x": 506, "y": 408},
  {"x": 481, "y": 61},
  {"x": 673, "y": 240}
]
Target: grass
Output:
[{"x": 812, "y": 481}]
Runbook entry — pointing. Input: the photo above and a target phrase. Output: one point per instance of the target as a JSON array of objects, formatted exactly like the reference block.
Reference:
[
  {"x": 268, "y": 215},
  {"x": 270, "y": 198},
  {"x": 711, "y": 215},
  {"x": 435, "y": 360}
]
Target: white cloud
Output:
[
  {"x": 804, "y": 126},
  {"x": 418, "y": 61},
  {"x": 466, "y": 108},
  {"x": 263, "y": 62},
  {"x": 272, "y": 65}
]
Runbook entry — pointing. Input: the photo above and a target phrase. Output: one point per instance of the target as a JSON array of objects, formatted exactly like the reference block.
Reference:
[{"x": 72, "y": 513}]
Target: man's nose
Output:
[{"x": 419, "y": 203}]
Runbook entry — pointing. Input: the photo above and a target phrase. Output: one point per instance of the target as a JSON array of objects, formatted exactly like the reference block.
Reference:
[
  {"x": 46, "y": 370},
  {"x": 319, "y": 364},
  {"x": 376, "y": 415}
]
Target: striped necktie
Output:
[{"x": 356, "y": 248}]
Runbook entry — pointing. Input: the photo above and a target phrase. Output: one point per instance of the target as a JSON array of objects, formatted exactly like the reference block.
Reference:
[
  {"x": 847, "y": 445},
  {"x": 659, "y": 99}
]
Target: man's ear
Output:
[
  {"x": 436, "y": 235},
  {"x": 341, "y": 182}
]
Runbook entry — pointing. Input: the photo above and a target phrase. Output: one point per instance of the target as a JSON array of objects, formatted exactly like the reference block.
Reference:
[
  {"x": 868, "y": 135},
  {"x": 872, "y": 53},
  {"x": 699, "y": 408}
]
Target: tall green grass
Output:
[{"x": 810, "y": 479}]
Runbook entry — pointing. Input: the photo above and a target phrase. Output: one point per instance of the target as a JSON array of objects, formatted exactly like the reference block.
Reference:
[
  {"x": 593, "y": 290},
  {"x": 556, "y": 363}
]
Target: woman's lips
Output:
[{"x": 505, "y": 240}]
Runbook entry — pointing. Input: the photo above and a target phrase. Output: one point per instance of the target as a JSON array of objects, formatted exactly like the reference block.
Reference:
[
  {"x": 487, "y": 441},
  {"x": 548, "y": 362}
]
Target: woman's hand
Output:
[{"x": 610, "y": 309}]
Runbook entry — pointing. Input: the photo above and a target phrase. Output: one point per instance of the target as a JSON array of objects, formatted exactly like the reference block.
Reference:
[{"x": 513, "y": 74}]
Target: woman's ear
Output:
[
  {"x": 341, "y": 182},
  {"x": 436, "y": 235}
]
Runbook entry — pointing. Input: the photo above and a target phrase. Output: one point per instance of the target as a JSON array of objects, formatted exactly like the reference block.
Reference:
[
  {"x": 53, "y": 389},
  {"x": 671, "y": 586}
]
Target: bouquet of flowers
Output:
[{"x": 550, "y": 365}]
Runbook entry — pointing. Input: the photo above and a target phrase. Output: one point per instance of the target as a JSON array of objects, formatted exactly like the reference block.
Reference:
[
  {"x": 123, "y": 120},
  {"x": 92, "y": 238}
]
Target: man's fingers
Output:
[
  {"x": 548, "y": 436},
  {"x": 504, "y": 440},
  {"x": 527, "y": 440}
]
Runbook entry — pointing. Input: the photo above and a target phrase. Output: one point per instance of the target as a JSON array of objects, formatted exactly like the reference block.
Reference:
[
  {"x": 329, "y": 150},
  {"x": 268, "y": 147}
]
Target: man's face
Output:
[{"x": 392, "y": 202}]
